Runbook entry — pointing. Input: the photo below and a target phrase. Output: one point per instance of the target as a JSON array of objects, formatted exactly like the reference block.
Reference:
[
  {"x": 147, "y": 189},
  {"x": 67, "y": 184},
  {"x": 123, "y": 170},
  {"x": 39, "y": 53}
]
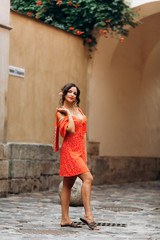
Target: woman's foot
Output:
[
  {"x": 68, "y": 222},
  {"x": 65, "y": 221},
  {"x": 89, "y": 220}
]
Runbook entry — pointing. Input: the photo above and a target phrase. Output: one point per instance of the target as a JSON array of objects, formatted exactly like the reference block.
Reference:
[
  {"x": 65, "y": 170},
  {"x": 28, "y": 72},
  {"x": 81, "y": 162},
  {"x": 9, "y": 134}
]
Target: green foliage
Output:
[{"x": 81, "y": 17}]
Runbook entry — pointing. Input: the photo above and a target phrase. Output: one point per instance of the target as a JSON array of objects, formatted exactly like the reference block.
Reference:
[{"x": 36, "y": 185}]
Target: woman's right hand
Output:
[{"x": 64, "y": 110}]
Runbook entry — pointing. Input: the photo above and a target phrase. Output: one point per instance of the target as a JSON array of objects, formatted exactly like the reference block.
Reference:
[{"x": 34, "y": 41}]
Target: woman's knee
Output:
[
  {"x": 88, "y": 178},
  {"x": 91, "y": 178}
]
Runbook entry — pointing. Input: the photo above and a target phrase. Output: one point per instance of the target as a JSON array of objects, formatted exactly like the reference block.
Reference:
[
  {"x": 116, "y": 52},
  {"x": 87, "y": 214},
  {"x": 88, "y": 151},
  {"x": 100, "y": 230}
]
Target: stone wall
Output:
[
  {"x": 4, "y": 165},
  {"x": 112, "y": 170},
  {"x": 27, "y": 168},
  {"x": 35, "y": 167}
]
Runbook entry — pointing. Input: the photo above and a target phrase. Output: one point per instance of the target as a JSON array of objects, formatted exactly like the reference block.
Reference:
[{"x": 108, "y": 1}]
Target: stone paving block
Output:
[
  {"x": 141, "y": 163},
  {"x": 54, "y": 182},
  {"x": 44, "y": 183},
  {"x": 37, "y": 168},
  {"x": 123, "y": 169},
  {"x": 119, "y": 176},
  {"x": 90, "y": 162},
  {"x": 17, "y": 168},
  {"x": 32, "y": 151},
  {"x": 148, "y": 164},
  {"x": 23, "y": 151},
  {"x": 4, "y": 167},
  {"x": 158, "y": 164},
  {"x": 36, "y": 184},
  {"x": 21, "y": 185},
  {"x": 29, "y": 168},
  {"x": 4, "y": 151},
  {"x": 1, "y": 151},
  {"x": 150, "y": 175},
  {"x": 56, "y": 154},
  {"x": 45, "y": 152},
  {"x": 49, "y": 167},
  {"x": 4, "y": 186},
  {"x": 117, "y": 164},
  {"x": 132, "y": 163},
  {"x": 100, "y": 167}
]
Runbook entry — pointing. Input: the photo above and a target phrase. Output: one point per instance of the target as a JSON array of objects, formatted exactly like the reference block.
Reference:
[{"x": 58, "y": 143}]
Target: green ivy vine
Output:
[{"x": 82, "y": 17}]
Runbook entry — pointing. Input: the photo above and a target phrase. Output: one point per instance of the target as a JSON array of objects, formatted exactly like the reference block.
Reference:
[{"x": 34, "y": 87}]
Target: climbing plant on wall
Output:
[{"x": 82, "y": 17}]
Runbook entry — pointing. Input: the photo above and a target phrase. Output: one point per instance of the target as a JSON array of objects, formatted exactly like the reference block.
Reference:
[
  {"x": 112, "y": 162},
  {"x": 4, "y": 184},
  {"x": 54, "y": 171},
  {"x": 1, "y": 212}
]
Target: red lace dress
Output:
[{"x": 72, "y": 154}]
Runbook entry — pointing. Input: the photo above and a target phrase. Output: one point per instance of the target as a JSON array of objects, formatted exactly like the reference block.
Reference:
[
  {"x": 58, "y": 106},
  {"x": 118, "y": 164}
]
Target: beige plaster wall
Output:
[
  {"x": 51, "y": 58},
  {"x": 135, "y": 3},
  {"x": 124, "y": 93},
  {"x": 4, "y": 60},
  {"x": 5, "y": 11}
]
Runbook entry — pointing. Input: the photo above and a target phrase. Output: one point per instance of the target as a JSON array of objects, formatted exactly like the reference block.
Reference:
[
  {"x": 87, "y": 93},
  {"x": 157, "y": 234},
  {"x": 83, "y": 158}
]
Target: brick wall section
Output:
[
  {"x": 4, "y": 165},
  {"x": 32, "y": 167},
  {"x": 112, "y": 170},
  {"x": 35, "y": 167},
  {"x": 27, "y": 168}
]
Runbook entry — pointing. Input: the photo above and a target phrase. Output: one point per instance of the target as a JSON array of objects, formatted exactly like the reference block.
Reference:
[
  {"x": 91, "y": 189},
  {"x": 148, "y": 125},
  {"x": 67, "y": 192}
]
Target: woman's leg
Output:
[
  {"x": 65, "y": 198},
  {"x": 87, "y": 180}
]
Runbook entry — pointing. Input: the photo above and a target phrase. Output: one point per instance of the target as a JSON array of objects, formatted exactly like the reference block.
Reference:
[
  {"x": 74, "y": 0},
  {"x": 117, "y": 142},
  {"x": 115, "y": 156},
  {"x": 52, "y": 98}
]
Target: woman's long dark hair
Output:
[{"x": 65, "y": 90}]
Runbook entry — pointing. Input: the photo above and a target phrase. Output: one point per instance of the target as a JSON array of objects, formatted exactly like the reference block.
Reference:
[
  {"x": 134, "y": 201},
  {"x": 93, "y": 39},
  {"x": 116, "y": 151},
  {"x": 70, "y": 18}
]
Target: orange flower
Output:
[
  {"x": 121, "y": 39},
  {"x": 59, "y": 2},
  {"x": 71, "y": 28},
  {"x": 104, "y": 31},
  {"x": 89, "y": 40},
  {"x": 38, "y": 3},
  {"x": 79, "y": 33},
  {"x": 70, "y": 3},
  {"x": 76, "y": 5},
  {"x": 60, "y": 94},
  {"x": 107, "y": 37},
  {"x": 107, "y": 21},
  {"x": 29, "y": 14}
]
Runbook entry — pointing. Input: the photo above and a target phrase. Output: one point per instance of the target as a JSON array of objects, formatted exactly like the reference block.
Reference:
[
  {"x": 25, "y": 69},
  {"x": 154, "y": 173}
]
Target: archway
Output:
[{"x": 120, "y": 112}]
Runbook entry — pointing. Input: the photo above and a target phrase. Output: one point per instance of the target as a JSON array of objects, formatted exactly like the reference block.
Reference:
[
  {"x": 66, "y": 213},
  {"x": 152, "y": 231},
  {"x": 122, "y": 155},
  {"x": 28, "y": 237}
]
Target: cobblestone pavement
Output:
[{"x": 127, "y": 211}]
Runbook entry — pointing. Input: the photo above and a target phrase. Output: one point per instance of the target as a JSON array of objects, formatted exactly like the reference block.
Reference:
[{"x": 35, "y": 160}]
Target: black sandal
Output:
[
  {"x": 91, "y": 225},
  {"x": 73, "y": 224}
]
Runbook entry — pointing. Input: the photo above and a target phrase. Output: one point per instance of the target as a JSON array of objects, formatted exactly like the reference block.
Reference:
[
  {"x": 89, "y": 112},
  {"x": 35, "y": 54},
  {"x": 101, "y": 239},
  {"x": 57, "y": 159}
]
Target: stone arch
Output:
[{"x": 118, "y": 81}]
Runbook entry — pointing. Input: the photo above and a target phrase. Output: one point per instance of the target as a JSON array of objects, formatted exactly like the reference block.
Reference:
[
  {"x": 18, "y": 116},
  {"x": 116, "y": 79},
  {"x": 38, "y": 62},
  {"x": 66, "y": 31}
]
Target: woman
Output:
[{"x": 73, "y": 162}]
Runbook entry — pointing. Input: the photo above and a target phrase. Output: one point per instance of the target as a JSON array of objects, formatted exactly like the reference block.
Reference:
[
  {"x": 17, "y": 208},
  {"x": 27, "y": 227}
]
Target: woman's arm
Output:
[{"x": 71, "y": 126}]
